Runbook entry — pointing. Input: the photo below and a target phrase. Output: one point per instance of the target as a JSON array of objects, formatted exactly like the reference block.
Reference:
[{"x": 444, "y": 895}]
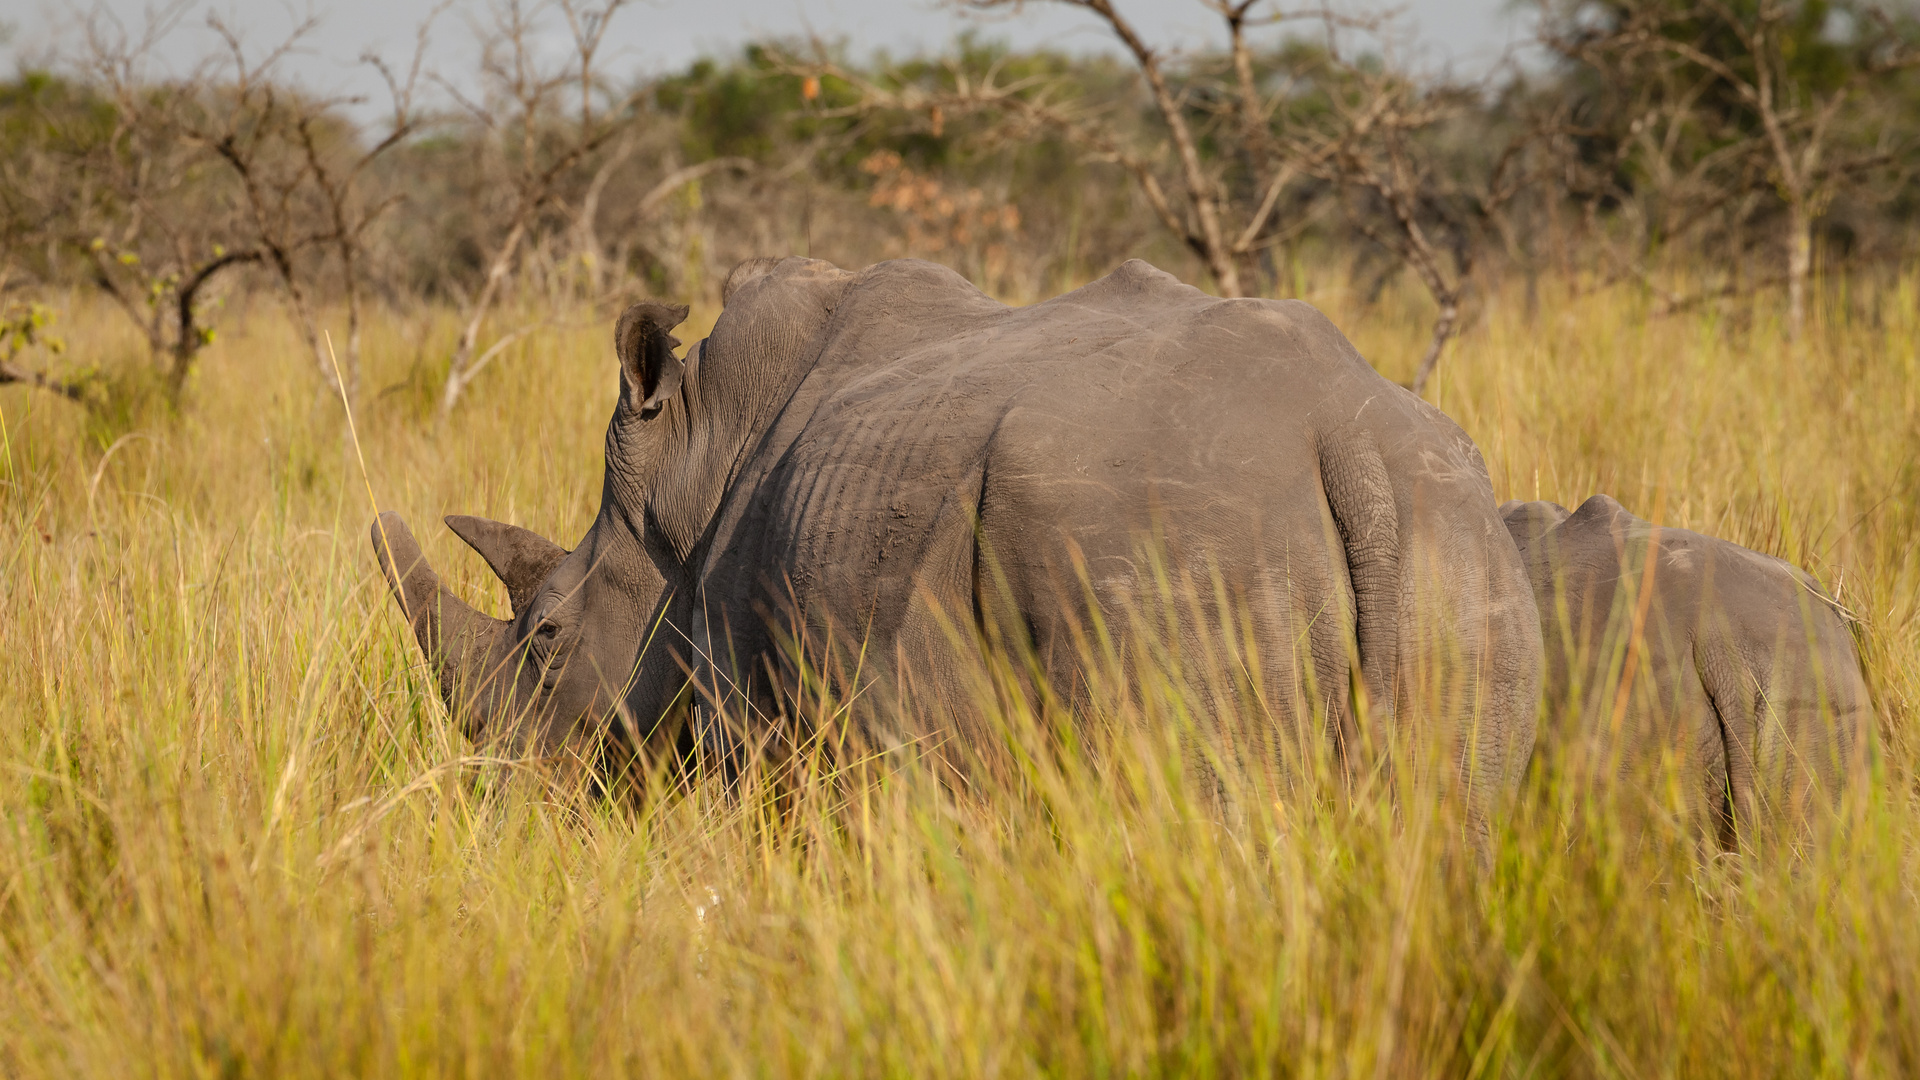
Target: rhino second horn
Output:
[
  {"x": 520, "y": 558},
  {"x": 452, "y": 634}
]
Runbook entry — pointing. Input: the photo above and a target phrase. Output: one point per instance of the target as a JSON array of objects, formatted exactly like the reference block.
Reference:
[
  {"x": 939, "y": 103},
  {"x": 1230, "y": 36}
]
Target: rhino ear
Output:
[
  {"x": 1527, "y": 522},
  {"x": 650, "y": 373},
  {"x": 746, "y": 274},
  {"x": 522, "y": 559}
]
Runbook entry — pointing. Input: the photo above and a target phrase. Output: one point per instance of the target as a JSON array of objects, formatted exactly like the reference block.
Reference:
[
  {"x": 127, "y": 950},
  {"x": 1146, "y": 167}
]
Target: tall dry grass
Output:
[{"x": 241, "y": 837}]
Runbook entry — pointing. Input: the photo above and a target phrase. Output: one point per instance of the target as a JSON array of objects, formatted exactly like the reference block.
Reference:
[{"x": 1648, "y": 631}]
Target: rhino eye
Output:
[{"x": 547, "y": 630}]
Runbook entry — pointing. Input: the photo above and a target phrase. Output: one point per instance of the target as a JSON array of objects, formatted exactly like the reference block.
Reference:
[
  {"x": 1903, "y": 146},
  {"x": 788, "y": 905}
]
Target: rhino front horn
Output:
[{"x": 454, "y": 637}]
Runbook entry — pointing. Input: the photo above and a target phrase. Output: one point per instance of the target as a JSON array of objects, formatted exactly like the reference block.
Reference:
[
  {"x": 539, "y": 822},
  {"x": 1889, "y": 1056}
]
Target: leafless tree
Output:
[
  {"x": 300, "y": 167},
  {"x": 339, "y": 166},
  {"x": 251, "y": 123},
  {"x": 1376, "y": 145},
  {"x": 224, "y": 167},
  {"x": 544, "y": 122},
  {"x": 1223, "y": 226},
  {"x": 531, "y": 125},
  {"x": 1781, "y": 65},
  {"x": 1645, "y": 168},
  {"x": 127, "y": 195},
  {"x": 1364, "y": 135}
]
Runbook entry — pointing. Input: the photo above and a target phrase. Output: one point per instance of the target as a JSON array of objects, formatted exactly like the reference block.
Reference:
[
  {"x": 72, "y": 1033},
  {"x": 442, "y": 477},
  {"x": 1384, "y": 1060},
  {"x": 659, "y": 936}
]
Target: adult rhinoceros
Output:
[
  {"x": 1736, "y": 667},
  {"x": 887, "y": 455},
  {"x": 854, "y": 464}
]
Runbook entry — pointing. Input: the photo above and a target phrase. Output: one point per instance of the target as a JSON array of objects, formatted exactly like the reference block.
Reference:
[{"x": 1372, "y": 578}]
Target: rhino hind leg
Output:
[
  {"x": 1360, "y": 499},
  {"x": 1763, "y": 769},
  {"x": 1721, "y": 768}
]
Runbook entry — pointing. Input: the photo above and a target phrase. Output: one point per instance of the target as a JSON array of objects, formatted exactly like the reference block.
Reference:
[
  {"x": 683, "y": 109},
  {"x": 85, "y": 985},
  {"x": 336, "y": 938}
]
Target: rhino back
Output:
[
  {"x": 945, "y": 447},
  {"x": 1075, "y": 425}
]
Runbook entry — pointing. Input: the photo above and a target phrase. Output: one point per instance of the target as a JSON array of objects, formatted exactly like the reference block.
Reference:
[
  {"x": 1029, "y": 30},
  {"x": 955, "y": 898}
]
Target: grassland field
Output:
[{"x": 239, "y": 836}]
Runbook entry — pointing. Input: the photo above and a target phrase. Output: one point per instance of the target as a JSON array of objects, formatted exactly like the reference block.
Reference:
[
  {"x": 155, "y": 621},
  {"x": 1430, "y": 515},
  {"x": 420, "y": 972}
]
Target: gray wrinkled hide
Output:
[
  {"x": 864, "y": 462},
  {"x": 1744, "y": 674}
]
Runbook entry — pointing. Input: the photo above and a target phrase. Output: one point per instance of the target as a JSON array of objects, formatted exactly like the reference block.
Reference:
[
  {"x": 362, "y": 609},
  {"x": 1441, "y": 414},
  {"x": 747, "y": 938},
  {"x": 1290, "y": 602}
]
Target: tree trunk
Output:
[
  {"x": 1443, "y": 329},
  {"x": 593, "y": 260},
  {"x": 1799, "y": 268},
  {"x": 353, "y": 336},
  {"x": 189, "y": 338},
  {"x": 1211, "y": 240},
  {"x": 458, "y": 373}
]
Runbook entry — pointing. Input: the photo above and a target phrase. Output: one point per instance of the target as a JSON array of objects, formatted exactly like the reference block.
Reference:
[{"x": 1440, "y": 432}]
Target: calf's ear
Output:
[
  {"x": 520, "y": 558},
  {"x": 649, "y": 372},
  {"x": 1527, "y": 522},
  {"x": 746, "y": 274}
]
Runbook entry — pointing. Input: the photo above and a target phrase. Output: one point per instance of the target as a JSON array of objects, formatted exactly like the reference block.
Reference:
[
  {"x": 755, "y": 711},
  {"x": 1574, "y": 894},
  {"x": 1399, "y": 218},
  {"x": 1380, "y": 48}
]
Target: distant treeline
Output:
[{"x": 1690, "y": 148}]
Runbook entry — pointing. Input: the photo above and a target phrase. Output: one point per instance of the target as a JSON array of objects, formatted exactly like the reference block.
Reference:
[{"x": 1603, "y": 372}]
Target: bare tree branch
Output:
[{"x": 528, "y": 93}]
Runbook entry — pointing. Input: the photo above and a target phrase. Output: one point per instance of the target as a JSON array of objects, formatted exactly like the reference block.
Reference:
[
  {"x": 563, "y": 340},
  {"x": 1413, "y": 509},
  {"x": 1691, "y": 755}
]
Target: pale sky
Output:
[{"x": 657, "y": 36}]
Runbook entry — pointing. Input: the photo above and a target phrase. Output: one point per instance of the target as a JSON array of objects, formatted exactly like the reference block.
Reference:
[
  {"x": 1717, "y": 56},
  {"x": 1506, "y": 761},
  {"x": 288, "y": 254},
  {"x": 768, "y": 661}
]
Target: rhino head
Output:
[
  {"x": 561, "y": 672},
  {"x": 549, "y": 679}
]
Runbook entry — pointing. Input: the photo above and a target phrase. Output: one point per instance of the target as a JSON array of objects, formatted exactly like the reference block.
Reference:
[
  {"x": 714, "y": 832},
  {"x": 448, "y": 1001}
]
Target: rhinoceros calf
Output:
[
  {"x": 1668, "y": 648},
  {"x": 857, "y": 465}
]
